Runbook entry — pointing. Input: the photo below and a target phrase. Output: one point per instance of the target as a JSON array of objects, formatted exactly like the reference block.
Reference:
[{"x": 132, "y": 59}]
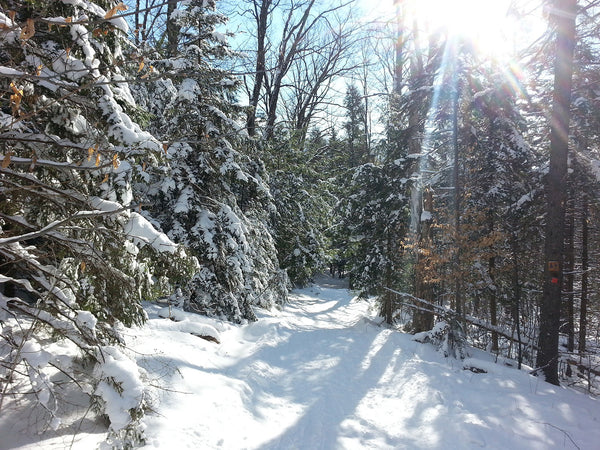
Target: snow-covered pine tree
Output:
[
  {"x": 302, "y": 200},
  {"x": 214, "y": 199},
  {"x": 75, "y": 258},
  {"x": 374, "y": 220}
]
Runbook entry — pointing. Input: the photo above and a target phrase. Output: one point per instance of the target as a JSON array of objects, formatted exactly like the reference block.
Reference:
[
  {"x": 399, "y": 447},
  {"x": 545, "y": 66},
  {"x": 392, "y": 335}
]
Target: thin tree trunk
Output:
[
  {"x": 172, "y": 29},
  {"x": 261, "y": 36},
  {"x": 517, "y": 297},
  {"x": 137, "y": 22},
  {"x": 457, "y": 193},
  {"x": 493, "y": 307},
  {"x": 423, "y": 317},
  {"x": 399, "y": 47},
  {"x": 570, "y": 276},
  {"x": 547, "y": 357},
  {"x": 584, "y": 275}
]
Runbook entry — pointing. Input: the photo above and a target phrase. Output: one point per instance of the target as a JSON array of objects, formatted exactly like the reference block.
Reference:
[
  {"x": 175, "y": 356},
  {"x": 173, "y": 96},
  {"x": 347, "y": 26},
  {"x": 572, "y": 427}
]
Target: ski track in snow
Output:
[{"x": 320, "y": 374}]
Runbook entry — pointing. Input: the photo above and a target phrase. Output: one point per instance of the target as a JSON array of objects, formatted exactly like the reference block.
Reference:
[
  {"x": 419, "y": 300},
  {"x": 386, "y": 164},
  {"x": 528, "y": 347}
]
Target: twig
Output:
[{"x": 564, "y": 432}]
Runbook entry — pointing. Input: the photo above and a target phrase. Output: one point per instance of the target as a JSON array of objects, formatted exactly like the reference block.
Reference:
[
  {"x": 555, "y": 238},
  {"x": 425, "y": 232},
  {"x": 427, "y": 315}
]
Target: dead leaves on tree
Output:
[{"x": 113, "y": 11}]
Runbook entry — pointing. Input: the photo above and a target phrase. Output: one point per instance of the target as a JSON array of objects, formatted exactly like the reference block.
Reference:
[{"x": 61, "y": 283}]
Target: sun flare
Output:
[
  {"x": 488, "y": 25},
  {"x": 485, "y": 24}
]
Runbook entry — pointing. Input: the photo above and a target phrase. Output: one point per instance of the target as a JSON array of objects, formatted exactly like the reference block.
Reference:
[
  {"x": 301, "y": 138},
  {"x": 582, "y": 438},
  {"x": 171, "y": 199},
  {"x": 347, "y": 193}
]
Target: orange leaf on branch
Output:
[
  {"x": 115, "y": 10},
  {"x": 28, "y": 30},
  {"x": 6, "y": 160}
]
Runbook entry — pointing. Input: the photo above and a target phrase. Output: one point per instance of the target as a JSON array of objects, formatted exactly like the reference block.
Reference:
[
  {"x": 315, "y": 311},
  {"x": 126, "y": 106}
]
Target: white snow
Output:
[
  {"x": 322, "y": 374},
  {"x": 142, "y": 232},
  {"x": 10, "y": 72}
]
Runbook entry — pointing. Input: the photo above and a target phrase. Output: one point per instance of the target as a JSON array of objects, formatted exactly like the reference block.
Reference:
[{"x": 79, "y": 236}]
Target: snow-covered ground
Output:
[{"x": 320, "y": 374}]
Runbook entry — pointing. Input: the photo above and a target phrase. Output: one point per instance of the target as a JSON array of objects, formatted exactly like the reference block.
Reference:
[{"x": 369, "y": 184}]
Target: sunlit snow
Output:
[{"x": 322, "y": 374}]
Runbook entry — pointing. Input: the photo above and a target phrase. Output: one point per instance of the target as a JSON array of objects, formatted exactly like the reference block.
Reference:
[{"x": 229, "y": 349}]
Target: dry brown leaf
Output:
[
  {"x": 105, "y": 179},
  {"x": 11, "y": 15},
  {"x": 141, "y": 66},
  {"x": 15, "y": 89},
  {"x": 144, "y": 166},
  {"x": 115, "y": 161},
  {"x": 90, "y": 153},
  {"x": 82, "y": 266},
  {"x": 28, "y": 30},
  {"x": 15, "y": 101},
  {"x": 68, "y": 52},
  {"x": 97, "y": 159},
  {"x": 115, "y": 10},
  {"x": 6, "y": 160}
]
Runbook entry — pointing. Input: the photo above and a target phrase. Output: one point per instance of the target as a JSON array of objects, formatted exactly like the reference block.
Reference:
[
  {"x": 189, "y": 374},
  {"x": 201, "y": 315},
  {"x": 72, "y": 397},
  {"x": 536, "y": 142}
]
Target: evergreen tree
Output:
[
  {"x": 76, "y": 259},
  {"x": 356, "y": 137},
  {"x": 214, "y": 198},
  {"x": 302, "y": 197}
]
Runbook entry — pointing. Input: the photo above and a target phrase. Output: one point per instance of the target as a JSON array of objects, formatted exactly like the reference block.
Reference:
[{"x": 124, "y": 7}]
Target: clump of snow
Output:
[
  {"x": 143, "y": 233},
  {"x": 426, "y": 215},
  {"x": 86, "y": 319},
  {"x": 120, "y": 386}
]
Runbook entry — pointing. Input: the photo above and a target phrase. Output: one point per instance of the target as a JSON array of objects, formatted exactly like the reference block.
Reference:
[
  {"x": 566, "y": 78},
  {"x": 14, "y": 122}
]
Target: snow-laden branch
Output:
[{"x": 59, "y": 223}]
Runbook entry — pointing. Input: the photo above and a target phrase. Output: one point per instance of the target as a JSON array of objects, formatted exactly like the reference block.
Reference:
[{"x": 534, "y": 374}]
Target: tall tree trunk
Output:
[
  {"x": 493, "y": 306},
  {"x": 584, "y": 275},
  {"x": 399, "y": 47},
  {"x": 516, "y": 296},
  {"x": 570, "y": 275},
  {"x": 261, "y": 16},
  {"x": 387, "y": 306},
  {"x": 172, "y": 29},
  {"x": 423, "y": 318},
  {"x": 137, "y": 22},
  {"x": 458, "y": 300},
  {"x": 547, "y": 358}
]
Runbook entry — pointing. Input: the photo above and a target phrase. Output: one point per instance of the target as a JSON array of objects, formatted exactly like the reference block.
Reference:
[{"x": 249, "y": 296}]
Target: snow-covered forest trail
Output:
[{"x": 320, "y": 374}]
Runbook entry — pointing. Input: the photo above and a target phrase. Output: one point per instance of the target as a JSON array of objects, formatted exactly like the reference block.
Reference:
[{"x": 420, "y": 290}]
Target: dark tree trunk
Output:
[
  {"x": 570, "y": 276},
  {"x": 584, "y": 275},
  {"x": 399, "y": 46},
  {"x": 547, "y": 358},
  {"x": 261, "y": 17},
  {"x": 172, "y": 29},
  {"x": 423, "y": 318},
  {"x": 516, "y": 297},
  {"x": 456, "y": 201},
  {"x": 493, "y": 305}
]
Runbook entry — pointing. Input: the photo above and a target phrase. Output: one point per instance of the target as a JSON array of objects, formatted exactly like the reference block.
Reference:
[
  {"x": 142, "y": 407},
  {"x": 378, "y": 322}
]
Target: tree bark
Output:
[
  {"x": 261, "y": 15},
  {"x": 547, "y": 358},
  {"x": 570, "y": 276},
  {"x": 172, "y": 29},
  {"x": 423, "y": 317},
  {"x": 584, "y": 275}
]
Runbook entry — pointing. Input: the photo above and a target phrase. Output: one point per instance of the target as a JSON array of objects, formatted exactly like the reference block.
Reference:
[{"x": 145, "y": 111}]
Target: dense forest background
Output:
[{"x": 214, "y": 155}]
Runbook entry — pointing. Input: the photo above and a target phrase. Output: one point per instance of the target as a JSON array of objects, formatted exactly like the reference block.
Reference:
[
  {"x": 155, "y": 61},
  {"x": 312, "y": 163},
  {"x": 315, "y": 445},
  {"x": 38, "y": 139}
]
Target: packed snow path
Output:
[{"x": 320, "y": 374}]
